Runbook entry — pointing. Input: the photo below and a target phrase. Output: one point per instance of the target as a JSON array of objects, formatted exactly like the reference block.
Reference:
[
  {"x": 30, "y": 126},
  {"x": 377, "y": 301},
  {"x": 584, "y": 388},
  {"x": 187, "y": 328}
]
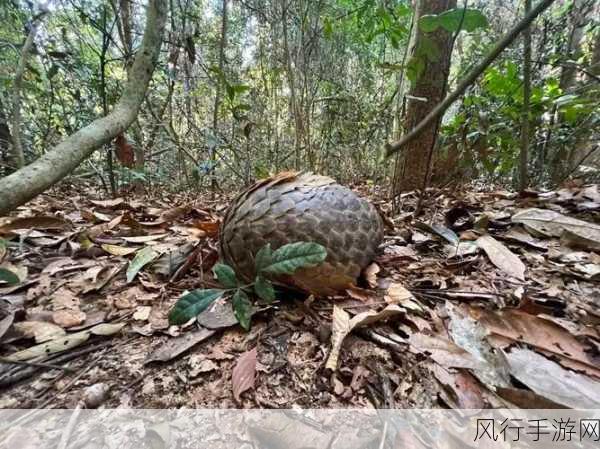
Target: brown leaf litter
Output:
[{"x": 485, "y": 300}]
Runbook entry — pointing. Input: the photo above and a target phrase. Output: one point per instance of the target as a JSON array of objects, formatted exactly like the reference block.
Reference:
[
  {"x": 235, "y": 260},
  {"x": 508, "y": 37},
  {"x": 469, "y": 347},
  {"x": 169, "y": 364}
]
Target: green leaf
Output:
[
  {"x": 240, "y": 88},
  {"x": 230, "y": 91},
  {"x": 8, "y": 276},
  {"x": 264, "y": 258},
  {"x": 403, "y": 10},
  {"x": 225, "y": 275},
  {"x": 473, "y": 18},
  {"x": 290, "y": 257},
  {"x": 192, "y": 304},
  {"x": 242, "y": 308},
  {"x": 429, "y": 23},
  {"x": 264, "y": 289},
  {"x": 143, "y": 257},
  {"x": 327, "y": 28}
]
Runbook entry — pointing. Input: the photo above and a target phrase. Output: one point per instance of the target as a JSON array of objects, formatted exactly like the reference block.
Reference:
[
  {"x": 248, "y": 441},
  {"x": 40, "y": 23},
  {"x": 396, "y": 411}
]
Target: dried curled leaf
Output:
[{"x": 342, "y": 325}]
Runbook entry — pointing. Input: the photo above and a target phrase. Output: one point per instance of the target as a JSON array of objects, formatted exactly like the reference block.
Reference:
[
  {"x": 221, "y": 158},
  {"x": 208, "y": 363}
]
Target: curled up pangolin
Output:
[{"x": 293, "y": 207}]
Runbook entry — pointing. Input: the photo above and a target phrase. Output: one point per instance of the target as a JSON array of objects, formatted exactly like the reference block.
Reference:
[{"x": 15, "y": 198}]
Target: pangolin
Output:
[{"x": 302, "y": 207}]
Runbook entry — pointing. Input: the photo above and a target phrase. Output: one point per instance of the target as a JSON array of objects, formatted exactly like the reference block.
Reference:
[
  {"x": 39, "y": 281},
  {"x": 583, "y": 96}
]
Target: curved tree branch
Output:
[{"x": 26, "y": 183}]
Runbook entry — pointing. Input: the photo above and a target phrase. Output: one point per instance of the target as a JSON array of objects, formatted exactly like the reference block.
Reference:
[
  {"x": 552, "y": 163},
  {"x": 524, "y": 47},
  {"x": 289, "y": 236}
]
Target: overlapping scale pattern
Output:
[{"x": 293, "y": 207}]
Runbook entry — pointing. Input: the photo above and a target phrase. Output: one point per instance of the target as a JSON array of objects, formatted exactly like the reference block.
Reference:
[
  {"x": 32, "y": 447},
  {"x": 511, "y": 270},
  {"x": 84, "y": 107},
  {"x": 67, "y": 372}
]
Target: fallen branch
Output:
[
  {"x": 6, "y": 361},
  {"x": 470, "y": 78}
]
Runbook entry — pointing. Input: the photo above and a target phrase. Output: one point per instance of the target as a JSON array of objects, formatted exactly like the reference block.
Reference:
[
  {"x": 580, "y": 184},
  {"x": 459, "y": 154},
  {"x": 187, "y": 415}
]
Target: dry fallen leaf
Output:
[
  {"x": 5, "y": 324},
  {"x": 443, "y": 351},
  {"x": 144, "y": 238},
  {"x": 177, "y": 346},
  {"x": 95, "y": 231},
  {"x": 218, "y": 315},
  {"x": 363, "y": 295},
  {"x": 63, "y": 298},
  {"x": 470, "y": 335},
  {"x": 370, "y": 274},
  {"x": 397, "y": 294},
  {"x": 41, "y": 222},
  {"x": 581, "y": 239},
  {"x": 109, "y": 204},
  {"x": 342, "y": 325},
  {"x": 502, "y": 257},
  {"x": 552, "y": 224},
  {"x": 519, "y": 235},
  {"x": 200, "y": 366},
  {"x": 550, "y": 380},
  {"x": 175, "y": 212},
  {"x": 103, "y": 278},
  {"x": 117, "y": 250},
  {"x": 40, "y": 330},
  {"x": 211, "y": 228},
  {"x": 142, "y": 313},
  {"x": 468, "y": 391},
  {"x": 68, "y": 317},
  {"x": 244, "y": 373},
  {"x": 65, "y": 343},
  {"x": 540, "y": 333}
]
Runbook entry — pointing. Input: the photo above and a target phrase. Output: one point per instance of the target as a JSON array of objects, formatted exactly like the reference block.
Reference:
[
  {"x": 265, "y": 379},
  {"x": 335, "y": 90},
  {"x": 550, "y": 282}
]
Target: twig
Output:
[
  {"x": 34, "y": 364},
  {"x": 22, "y": 419},
  {"x": 470, "y": 78},
  {"x": 13, "y": 377}
]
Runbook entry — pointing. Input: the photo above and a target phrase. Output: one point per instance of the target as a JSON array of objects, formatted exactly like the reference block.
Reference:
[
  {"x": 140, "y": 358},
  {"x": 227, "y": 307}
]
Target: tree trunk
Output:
[
  {"x": 106, "y": 40},
  {"x": 577, "y": 20},
  {"x": 298, "y": 123},
  {"x": 523, "y": 174},
  {"x": 127, "y": 39},
  {"x": 54, "y": 165},
  {"x": 18, "y": 155},
  {"x": 5, "y": 139},
  {"x": 397, "y": 126},
  {"x": 427, "y": 91},
  {"x": 595, "y": 61},
  {"x": 222, "y": 46},
  {"x": 125, "y": 12}
]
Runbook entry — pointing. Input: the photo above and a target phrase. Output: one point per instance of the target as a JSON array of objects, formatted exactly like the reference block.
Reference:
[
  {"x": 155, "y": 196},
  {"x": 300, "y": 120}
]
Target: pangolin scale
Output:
[{"x": 292, "y": 207}]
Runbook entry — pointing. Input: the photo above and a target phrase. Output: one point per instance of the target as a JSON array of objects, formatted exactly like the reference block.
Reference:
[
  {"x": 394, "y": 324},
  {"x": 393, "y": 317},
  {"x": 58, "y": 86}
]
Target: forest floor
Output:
[{"x": 489, "y": 299}]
